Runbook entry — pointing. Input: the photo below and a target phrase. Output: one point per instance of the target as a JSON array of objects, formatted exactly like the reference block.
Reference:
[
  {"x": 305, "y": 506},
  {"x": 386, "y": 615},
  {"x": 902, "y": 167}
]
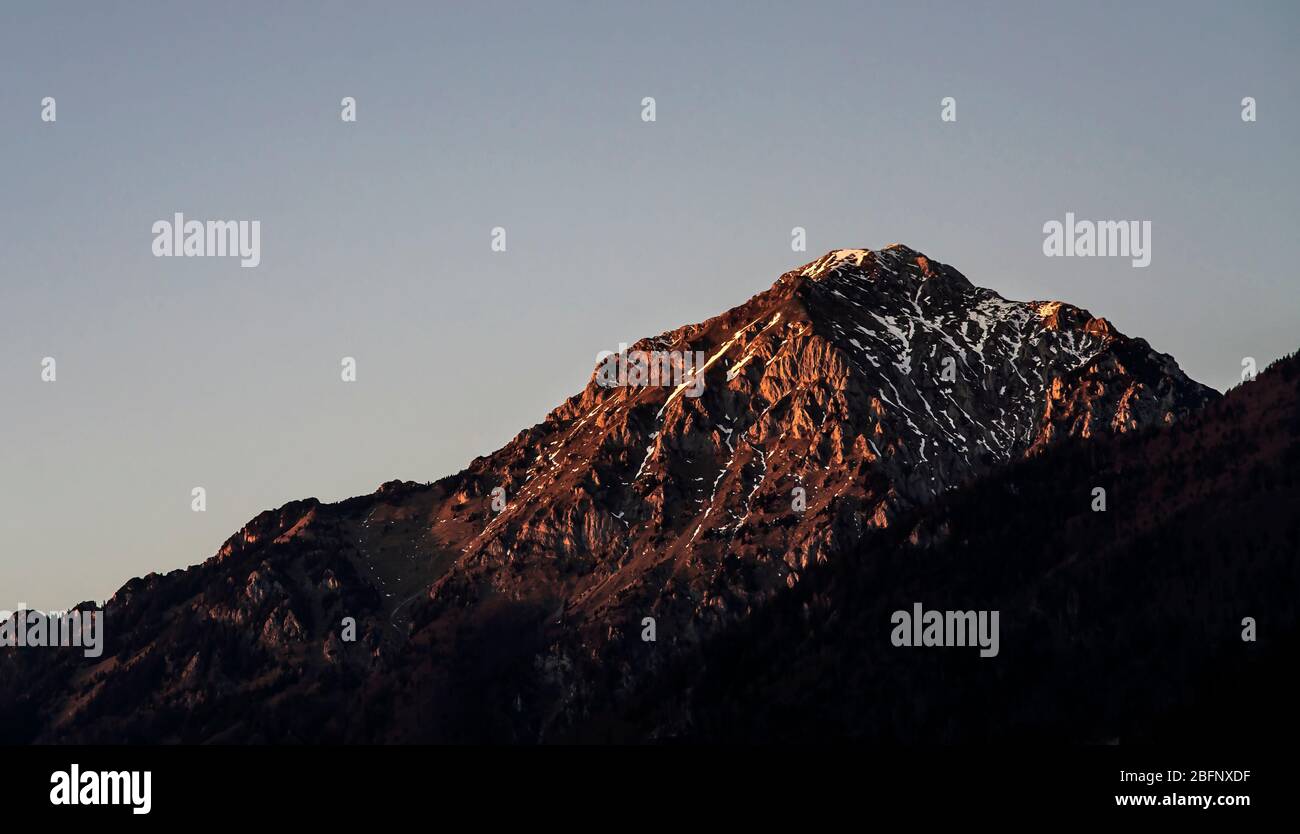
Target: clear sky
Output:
[{"x": 375, "y": 236}]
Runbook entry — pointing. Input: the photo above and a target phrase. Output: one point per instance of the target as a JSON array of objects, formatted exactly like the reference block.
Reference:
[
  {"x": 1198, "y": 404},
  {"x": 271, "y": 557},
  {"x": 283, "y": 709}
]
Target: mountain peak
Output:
[
  {"x": 856, "y": 390},
  {"x": 835, "y": 259},
  {"x": 895, "y": 263}
]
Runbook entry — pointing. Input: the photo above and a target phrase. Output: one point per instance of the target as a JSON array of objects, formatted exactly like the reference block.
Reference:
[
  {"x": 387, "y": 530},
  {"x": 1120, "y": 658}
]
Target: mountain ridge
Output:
[{"x": 868, "y": 381}]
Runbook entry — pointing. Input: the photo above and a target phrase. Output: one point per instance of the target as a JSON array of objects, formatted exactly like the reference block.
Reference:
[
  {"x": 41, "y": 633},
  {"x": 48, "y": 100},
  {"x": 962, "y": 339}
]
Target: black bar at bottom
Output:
[{"x": 639, "y": 784}]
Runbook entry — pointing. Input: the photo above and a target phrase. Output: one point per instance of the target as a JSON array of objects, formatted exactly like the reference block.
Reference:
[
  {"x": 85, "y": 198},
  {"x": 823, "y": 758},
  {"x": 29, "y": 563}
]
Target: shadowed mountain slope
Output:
[
  {"x": 865, "y": 385},
  {"x": 1118, "y": 626}
]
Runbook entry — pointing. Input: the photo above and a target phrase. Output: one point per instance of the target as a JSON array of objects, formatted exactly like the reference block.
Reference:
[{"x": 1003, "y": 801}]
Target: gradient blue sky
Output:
[{"x": 375, "y": 236}]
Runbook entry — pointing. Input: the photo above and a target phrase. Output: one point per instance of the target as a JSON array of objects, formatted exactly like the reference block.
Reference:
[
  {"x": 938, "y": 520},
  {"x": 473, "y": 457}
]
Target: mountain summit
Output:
[
  {"x": 869, "y": 381},
  {"x": 856, "y": 389}
]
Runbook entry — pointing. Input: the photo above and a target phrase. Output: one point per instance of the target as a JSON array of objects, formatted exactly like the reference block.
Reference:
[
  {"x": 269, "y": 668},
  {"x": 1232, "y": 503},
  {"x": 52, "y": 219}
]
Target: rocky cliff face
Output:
[
  {"x": 867, "y": 382},
  {"x": 1168, "y": 617},
  {"x": 857, "y": 388}
]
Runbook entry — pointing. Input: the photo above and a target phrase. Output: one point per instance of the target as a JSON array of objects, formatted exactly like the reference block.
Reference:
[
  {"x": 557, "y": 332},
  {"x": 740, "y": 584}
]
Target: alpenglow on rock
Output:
[
  {"x": 857, "y": 387},
  {"x": 832, "y": 381}
]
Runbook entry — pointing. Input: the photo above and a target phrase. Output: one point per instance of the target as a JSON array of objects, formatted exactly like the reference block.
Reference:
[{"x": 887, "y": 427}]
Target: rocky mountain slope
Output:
[
  {"x": 852, "y": 393},
  {"x": 1170, "y": 617}
]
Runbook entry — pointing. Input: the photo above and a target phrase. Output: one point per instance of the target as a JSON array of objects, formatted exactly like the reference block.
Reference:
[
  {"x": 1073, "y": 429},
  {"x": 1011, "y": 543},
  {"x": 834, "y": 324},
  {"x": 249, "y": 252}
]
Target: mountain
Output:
[
  {"x": 1169, "y": 618},
  {"x": 851, "y": 395}
]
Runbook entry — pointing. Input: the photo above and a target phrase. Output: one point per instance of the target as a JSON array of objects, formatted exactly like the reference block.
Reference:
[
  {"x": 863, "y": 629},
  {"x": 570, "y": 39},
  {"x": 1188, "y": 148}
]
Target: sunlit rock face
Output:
[
  {"x": 869, "y": 381},
  {"x": 858, "y": 387}
]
